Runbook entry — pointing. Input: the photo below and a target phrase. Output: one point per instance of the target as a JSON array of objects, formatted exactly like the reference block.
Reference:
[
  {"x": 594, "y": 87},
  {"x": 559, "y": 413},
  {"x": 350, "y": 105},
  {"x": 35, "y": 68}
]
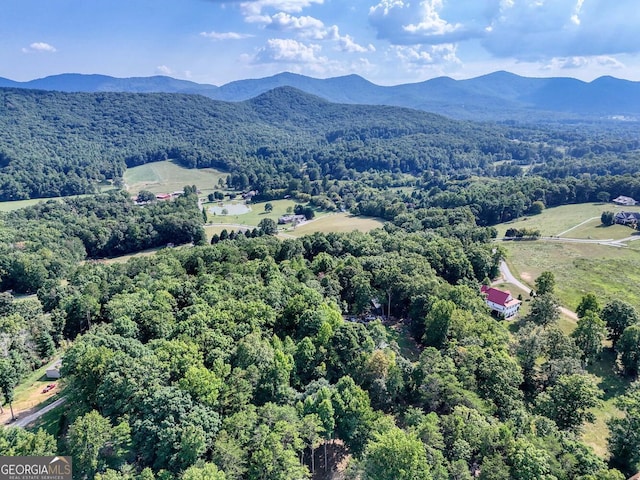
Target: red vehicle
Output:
[{"x": 49, "y": 387}]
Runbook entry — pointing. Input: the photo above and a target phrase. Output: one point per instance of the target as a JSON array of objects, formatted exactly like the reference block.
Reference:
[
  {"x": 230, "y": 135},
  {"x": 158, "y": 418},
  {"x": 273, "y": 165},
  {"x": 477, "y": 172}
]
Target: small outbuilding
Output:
[{"x": 54, "y": 370}]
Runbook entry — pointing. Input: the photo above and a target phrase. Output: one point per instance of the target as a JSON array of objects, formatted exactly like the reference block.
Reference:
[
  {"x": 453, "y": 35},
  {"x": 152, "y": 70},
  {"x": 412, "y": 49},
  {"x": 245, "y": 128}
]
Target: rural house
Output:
[
  {"x": 295, "y": 219},
  {"x": 627, "y": 218},
  {"x": 500, "y": 301},
  {"x": 626, "y": 201}
]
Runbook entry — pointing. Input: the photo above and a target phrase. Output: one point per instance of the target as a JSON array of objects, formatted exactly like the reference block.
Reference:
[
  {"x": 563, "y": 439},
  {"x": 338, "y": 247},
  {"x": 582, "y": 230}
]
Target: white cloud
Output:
[
  {"x": 225, "y": 35},
  {"x": 430, "y": 21},
  {"x": 163, "y": 70},
  {"x": 306, "y": 26},
  {"x": 562, "y": 63},
  {"x": 39, "y": 47},
  {"x": 537, "y": 30},
  {"x": 254, "y": 11},
  {"x": 280, "y": 50},
  {"x": 347, "y": 44},
  {"x": 416, "y": 58}
]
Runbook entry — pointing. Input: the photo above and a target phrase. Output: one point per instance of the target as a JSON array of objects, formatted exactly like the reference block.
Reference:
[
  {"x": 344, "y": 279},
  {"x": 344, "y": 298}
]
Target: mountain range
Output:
[{"x": 499, "y": 96}]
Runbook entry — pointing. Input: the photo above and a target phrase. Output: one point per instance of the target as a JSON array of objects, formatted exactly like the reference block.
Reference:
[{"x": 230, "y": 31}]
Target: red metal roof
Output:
[{"x": 498, "y": 297}]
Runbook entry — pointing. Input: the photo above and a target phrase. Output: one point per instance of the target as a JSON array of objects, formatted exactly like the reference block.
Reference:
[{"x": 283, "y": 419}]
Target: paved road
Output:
[
  {"x": 29, "y": 419},
  {"x": 509, "y": 278}
]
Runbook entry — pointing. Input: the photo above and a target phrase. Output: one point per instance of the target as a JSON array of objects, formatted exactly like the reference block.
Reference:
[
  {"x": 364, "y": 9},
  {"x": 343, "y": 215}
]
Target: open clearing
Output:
[
  {"x": 566, "y": 218},
  {"x": 168, "y": 176},
  {"x": 29, "y": 396},
  {"x": 579, "y": 268},
  {"x": 252, "y": 217},
  {"x": 339, "y": 222}
]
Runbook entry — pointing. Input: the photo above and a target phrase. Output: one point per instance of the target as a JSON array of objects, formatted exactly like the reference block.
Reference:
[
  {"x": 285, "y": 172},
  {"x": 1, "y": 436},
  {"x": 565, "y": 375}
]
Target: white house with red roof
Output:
[{"x": 500, "y": 301}]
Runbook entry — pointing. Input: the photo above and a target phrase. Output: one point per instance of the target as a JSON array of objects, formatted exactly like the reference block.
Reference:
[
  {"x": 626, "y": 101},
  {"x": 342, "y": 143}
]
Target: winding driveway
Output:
[
  {"x": 508, "y": 277},
  {"x": 29, "y": 419}
]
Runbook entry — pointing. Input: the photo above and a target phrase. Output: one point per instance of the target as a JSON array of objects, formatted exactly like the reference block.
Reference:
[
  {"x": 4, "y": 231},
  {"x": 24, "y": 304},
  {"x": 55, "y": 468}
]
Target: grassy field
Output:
[
  {"x": 28, "y": 394},
  {"x": 339, "y": 222},
  {"x": 167, "y": 176},
  {"x": 579, "y": 268},
  {"x": 253, "y": 217},
  {"x": 555, "y": 221},
  {"x": 9, "y": 206}
]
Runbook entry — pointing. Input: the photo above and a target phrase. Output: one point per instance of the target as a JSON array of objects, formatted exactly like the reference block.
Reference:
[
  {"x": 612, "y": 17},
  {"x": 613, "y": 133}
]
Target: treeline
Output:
[
  {"x": 47, "y": 240},
  {"x": 233, "y": 361},
  {"x": 495, "y": 201},
  {"x": 62, "y": 144}
]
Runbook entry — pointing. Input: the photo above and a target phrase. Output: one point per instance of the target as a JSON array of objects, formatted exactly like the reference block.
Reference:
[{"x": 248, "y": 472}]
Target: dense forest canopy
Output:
[
  {"x": 234, "y": 361},
  {"x": 65, "y": 143},
  {"x": 246, "y": 358}
]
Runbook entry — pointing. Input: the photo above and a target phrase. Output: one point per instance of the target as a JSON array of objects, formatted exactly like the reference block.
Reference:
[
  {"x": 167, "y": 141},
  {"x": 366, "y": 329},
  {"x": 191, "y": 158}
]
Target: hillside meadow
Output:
[
  {"x": 572, "y": 221},
  {"x": 168, "y": 176}
]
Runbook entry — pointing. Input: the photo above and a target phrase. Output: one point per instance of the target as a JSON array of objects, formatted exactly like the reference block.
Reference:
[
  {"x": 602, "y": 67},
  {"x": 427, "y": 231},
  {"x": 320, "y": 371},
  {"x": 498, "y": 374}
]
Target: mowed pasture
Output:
[
  {"x": 253, "y": 216},
  {"x": 338, "y": 222},
  {"x": 573, "y": 221},
  {"x": 579, "y": 268},
  {"x": 168, "y": 176},
  {"x": 325, "y": 223}
]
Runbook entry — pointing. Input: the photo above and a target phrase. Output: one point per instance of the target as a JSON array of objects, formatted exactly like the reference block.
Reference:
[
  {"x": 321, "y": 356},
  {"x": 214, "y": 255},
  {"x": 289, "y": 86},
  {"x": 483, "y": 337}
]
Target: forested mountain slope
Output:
[
  {"x": 496, "y": 96},
  {"x": 61, "y": 143},
  {"x": 64, "y": 143}
]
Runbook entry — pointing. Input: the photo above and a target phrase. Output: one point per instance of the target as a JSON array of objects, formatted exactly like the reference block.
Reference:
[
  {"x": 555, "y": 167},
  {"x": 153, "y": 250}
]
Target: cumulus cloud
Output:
[
  {"x": 225, "y": 35},
  {"x": 430, "y": 22},
  {"x": 563, "y": 63},
  {"x": 347, "y": 44},
  {"x": 307, "y": 26},
  {"x": 163, "y": 70},
  {"x": 254, "y": 11},
  {"x": 537, "y": 30},
  {"x": 39, "y": 47},
  {"x": 415, "y": 58},
  {"x": 281, "y": 50}
]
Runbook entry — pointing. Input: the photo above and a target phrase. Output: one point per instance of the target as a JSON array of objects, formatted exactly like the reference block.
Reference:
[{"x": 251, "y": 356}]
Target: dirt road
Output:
[
  {"x": 509, "y": 278},
  {"x": 29, "y": 419}
]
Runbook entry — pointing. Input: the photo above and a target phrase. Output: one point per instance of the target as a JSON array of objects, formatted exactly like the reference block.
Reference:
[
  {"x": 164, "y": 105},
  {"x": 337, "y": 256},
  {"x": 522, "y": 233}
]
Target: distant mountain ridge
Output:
[{"x": 498, "y": 96}]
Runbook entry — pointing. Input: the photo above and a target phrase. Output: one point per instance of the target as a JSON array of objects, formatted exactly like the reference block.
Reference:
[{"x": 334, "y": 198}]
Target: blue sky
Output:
[{"x": 386, "y": 41}]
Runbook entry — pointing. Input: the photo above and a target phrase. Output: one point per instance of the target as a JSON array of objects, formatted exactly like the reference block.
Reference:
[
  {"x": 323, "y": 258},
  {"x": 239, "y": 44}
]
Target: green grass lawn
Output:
[
  {"x": 50, "y": 421},
  {"x": 323, "y": 222},
  {"x": 554, "y": 221},
  {"x": 613, "y": 385},
  {"x": 579, "y": 268},
  {"x": 253, "y": 217},
  {"x": 608, "y": 272},
  {"x": 168, "y": 176},
  {"x": 338, "y": 222}
]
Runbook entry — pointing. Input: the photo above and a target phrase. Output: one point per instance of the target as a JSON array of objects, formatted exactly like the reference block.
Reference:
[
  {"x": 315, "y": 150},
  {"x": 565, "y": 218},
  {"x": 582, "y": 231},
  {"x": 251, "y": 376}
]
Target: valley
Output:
[{"x": 237, "y": 285}]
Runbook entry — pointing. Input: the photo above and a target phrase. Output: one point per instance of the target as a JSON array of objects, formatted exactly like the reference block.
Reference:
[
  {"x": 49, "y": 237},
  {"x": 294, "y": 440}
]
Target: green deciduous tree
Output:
[
  {"x": 589, "y": 335},
  {"x": 588, "y": 302},
  {"x": 9, "y": 378},
  {"x": 268, "y": 226},
  {"x": 607, "y": 218},
  {"x": 545, "y": 283},
  {"x": 94, "y": 443},
  {"x": 569, "y": 401},
  {"x": 206, "y": 471},
  {"x": 395, "y": 455},
  {"x": 618, "y": 315},
  {"x": 545, "y": 310},
  {"x": 624, "y": 441},
  {"x": 629, "y": 349}
]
